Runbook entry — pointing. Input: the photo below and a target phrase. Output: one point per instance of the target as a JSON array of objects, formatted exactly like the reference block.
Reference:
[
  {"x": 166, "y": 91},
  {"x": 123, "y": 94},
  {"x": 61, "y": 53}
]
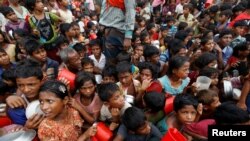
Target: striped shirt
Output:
[{"x": 116, "y": 18}]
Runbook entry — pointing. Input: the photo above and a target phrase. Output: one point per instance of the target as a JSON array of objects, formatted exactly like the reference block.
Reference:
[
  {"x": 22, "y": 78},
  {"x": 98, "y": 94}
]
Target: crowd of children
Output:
[{"x": 137, "y": 75}]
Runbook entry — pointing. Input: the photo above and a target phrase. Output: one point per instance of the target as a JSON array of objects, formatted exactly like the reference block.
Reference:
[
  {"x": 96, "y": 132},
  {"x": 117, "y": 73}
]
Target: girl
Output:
[
  {"x": 61, "y": 122},
  {"x": 176, "y": 79},
  {"x": 86, "y": 100},
  {"x": 9, "y": 48},
  {"x": 68, "y": 31}
]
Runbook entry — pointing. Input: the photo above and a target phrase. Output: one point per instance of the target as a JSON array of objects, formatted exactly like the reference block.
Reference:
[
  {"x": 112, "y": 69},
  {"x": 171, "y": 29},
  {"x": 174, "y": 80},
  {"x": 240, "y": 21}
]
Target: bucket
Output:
[
  {"x": 173, "y": 135},
  {"x": 169, "y": 105},
  {"x": 64, "y": 73},
  {"x": 154, "y": 86},
  {"x": 103, "y": 132}
]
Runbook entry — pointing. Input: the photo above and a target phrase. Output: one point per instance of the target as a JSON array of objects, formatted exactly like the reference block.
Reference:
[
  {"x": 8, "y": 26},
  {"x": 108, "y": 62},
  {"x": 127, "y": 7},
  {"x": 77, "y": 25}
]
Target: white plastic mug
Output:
[{"x": 203, "y": 83}]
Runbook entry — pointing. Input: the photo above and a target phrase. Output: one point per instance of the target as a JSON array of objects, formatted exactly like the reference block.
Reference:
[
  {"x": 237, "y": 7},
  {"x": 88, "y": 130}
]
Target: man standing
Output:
[{"x": 118, "y": 19}]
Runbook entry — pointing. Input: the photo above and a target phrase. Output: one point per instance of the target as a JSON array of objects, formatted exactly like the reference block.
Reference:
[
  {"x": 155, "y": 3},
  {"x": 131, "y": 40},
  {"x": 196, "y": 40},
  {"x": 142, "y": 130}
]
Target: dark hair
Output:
[
  {"x": 154, "y": 100},
  {"x": 123, "y": 67},
  {"x": 182, "y": 26},
  {"x": 182, "y": 100},
  {"x": 123, "y": 56},
  {"x": 95, "y": 42},
  {"x": 153, "y": 68},
  {"x": 79, "y": 47},
  {"x": 60, "y": 40},
  {"x": 133, "y": 118},
  {"x": 30, "y": 4},
  {"x": 239, "y": 47},
  {"x": 225, "y": 32},
  {"x": 181, "y": 34},
  {"x": 90, "y": 25},
  {"x": 238, "y": 8},
  {"x": 205, "y": 40},
  {"x": 87, "y": 60},
  {"x": 214, "y": 9},
  {"x": 56, "y": 87},
  {"x": 83, "y": 77},
  {"x": 32, "y": 45},
  {"x": 229, "y": 113},
  {"x": 105, "y": 91},
  {"x": 3, "y": 51},
  {"x": 109, "y": 71},
  {"x": 203, "y": 60},
  {"x": 65, "y": 27},
  {"x": 20, "y": 32},
  {"x": 5, "y": 10},
  {"x": 150, "y": 50},
  {"x": 9, "y": 74},
  {"x": 170, "y": 19},
  {"x": 225, "y": 6},
  {"x": 206, "y": 97},
  {"x": 175, "y": 63},
  {"x": 28, "y": 68},
  {"x": 208, "y": 71}
]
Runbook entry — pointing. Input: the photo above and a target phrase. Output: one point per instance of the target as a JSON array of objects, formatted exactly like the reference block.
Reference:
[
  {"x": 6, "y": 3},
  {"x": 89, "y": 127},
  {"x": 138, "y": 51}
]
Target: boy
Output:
[
  {"x": 114, "y": 104},
  {"x": 13, "y": 22},
  {"x": 109, "y": 74},
  {"x": 87, "y": 65},
  {"x": 64, "y": 12},
  {"x": 28, "y": 79},
  {"x": 213, "y": 74},
  {"x": 37, "y": 52},
  {"x": 4, "y": 62},
  {"x": 210, "y": 101},
  {"x": 135, "y": 127},
  {"x": 187, "y": 16},
  {"x": 97, "y": 56},
  {"x": 127, "y": 84}
]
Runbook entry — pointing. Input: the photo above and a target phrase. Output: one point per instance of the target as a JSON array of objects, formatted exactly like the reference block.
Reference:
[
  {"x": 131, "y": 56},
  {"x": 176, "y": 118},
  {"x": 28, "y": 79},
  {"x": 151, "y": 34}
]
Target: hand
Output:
[
  {"x": 199, "y": 109},
  {"x": 91, "y": 131},
  {"x": 145, "y": 84},
  {"x": 16, "y": 128},
  {"x": 242, "y": 105},
  {"x": 15, "y": 101},
  {"x": 113, "y": 126},
  {"x": 115, "y": 112},
  {"x": 34, "y": 121},
  {"x": 73, "y": 103},
  {"x": 194, "y": 87},
  {"x": 217, "y": 47},
  {"x": 235, "y": 64},
  {"x": 65, "y": 81},
  {"x": 126, "y": 44}
]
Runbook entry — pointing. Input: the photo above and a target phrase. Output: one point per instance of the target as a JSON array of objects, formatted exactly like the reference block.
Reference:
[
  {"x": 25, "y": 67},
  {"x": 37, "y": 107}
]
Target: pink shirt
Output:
[{"x": 157, "y": 3}]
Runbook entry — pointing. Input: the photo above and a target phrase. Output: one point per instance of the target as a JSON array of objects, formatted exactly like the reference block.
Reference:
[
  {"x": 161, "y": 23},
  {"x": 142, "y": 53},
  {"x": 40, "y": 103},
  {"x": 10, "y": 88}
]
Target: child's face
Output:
[
  {"x": 125, "y": 78},
  {"x": 87, "y": 89},
  {"x": 209, "y": 45},
  {"x": 222, "y": 18},
  {"x": 214, "y": 79},
  {"x": 146, "y": 74},
  {"x": 29, "y": 86},
  {"x": 155, "y": 58},
  {"x": 164, "y": 33},
  {"x": 4, "y": 58},
  {"x": 77, "y": 30},
  {"x": 187, "y": 114},
  {"x": 142, "y": 23},
  {"x": 88, "y": 68},
  {"x": 39, "y": 6},
  {"x": 214, "y": 104},
  {"x": 213, "y": 64},
  {"x": 12, "y": 17},
  {"x": 96, "y": 50},
  {"x": 144, "y": 130},
  {"x": 226, "y": 39},
  {"x": 117, "y": 100},
  {"x": 183, "y": 71},
  {"x": 186, "y": 11},
  {"x": 108, "y": 79},
  {"x": 40, "y": 55},
  {"x": 71, "y": 32},
  {"x": 239, "y": 30},
  {"x": 170, "y": 23},
  {"x": 51, "y": 105},
  {"x": 139, "y": 50},
  {"x": 147, "y": 40}
]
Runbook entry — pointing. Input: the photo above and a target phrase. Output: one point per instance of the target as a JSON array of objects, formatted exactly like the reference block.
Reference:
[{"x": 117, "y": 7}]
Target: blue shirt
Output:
[{"x": 17, "y": 115}]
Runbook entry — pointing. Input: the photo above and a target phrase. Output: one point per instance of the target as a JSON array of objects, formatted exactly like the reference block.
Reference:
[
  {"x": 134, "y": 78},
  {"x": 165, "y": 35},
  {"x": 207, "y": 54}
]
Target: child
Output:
[
  {"x": 186, "y": 111},
  {"x": 152, "y": 55},
  {"x": 213, "y": 74},
  {"x": 78, "y": 35},
  {"x": 37, "y": 52},
  {"x": 224, "y": 19},
  {"x": 154, "y": 105},
  {"x": 210, "y": 101},
  {"x": 138, "y": 54},
  {"x": 4, "y": 62},
  {"x": 127, "y": 84},
  {"x": 68, "y": 31},
  {"x": 88, "y": 65},
  {"x": 187, "y": 16},
  {"x": 98, "y": 57},
  {"x": 81, "y": 50},
  {"x": 239, "y": 28},
  {"x": 13, "y": 22},
  {"x": 136, "y": 127},
  {"x": 29, "y": 77},
  {"x": 114, "y": 104},
  {"x": 64, "y": 12},
  {"x": 176, "y": 80},
  {"x": 86, "y": 100},
  {"x": 53, "y": 97},
  {"x": 109, "y": 74}
]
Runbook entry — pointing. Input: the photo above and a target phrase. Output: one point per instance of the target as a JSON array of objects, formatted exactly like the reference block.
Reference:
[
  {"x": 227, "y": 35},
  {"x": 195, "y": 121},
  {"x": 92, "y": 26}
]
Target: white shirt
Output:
[
  {"x": 23, "y": 14},
  {"x": 101, "y": 63},
  {"x": 105, "y": 113},
  {"x": 179, "y": 9},
  {"x": 67, "y": 15}
]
